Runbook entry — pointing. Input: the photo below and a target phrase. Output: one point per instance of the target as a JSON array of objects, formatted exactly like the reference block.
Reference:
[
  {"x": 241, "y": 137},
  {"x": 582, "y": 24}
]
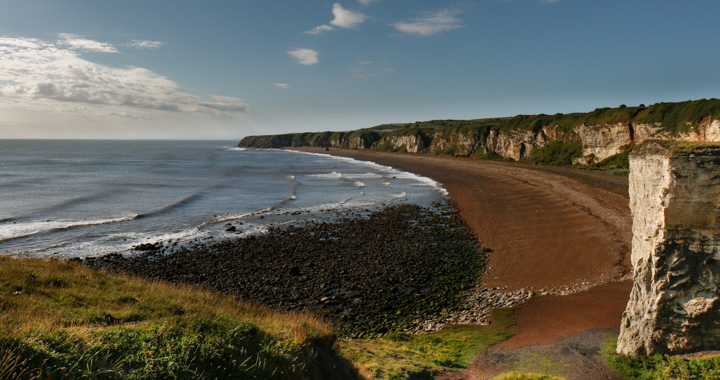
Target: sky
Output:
[{"x": 191, "y": 69}]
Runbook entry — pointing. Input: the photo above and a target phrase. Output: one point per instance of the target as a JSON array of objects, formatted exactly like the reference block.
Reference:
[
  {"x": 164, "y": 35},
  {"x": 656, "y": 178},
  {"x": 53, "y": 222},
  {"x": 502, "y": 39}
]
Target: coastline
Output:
[
  {"x": 553, "y": 231},
  {"x": 402, "y": 268}
]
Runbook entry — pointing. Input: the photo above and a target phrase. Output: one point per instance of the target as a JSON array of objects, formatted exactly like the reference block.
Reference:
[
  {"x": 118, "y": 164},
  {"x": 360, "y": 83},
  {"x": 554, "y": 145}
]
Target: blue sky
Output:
[{"x": 226, "y": 69}]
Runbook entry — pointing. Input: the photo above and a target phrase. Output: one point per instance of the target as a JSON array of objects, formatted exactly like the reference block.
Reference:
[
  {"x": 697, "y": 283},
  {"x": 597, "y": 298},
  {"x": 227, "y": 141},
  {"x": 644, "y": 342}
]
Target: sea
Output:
[{"x": 83, "y": 198}]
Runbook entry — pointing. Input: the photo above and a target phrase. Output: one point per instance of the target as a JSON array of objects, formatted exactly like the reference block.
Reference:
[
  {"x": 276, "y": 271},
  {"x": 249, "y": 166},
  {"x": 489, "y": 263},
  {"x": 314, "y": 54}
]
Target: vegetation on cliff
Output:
[{"x": 546, "y": 139}]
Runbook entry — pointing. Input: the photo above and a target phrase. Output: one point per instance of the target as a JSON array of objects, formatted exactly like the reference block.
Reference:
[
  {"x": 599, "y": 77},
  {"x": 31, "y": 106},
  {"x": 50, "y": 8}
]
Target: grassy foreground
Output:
[
  {"x": 62, "y": 320},
  {"x": 59, "y": 319},
  {"x": 662, "y": 366},
  {"x": 399, "y": 355}
]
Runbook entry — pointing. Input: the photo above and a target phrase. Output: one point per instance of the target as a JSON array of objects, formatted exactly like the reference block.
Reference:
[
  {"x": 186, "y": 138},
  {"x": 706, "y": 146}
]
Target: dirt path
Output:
[{"x": 551, "y": 230}]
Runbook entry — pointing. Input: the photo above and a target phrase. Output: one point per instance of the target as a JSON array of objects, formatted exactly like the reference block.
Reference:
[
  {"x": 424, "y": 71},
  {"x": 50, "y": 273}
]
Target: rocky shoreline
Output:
[{"x": 404, "y": 268}]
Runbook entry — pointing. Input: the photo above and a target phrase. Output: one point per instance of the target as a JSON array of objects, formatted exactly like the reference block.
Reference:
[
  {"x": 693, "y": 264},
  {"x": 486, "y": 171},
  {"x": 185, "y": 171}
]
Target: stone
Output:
[{"x": 675, "y": 205}]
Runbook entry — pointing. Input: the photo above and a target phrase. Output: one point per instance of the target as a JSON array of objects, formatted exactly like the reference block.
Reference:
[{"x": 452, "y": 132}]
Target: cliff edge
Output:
[{"x": 602, "y": 138}]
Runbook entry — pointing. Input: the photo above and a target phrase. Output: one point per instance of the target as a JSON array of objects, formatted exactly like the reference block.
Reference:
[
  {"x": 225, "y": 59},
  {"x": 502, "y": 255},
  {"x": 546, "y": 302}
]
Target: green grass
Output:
[
  {"x": 620, "y": 160},
  {"x": 62, "y": 320},
  {"x": 526, "y": 376},
  {"x": 400, "y": 356},
  {"x": 661, "y": 366},
  {"x": 556, "y": 153}
]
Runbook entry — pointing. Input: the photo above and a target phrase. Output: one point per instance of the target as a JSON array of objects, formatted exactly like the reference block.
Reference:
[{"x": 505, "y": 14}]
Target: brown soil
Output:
[{"x": 551, "y": 230}]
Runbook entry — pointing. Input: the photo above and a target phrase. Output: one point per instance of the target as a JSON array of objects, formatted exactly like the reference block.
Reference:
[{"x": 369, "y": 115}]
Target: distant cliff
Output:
[{"x": 601, "y": 138}]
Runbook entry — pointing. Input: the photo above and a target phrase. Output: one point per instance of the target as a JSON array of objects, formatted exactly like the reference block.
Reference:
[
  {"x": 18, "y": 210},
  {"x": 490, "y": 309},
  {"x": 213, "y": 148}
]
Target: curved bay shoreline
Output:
[
  {"x": 550, "y": 232},
  {"x": 404, "y": 267}
]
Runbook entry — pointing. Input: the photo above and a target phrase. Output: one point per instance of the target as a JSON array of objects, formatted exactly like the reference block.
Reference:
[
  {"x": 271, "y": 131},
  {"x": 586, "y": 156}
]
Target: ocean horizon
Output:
[{"x": 81, "y": 198}]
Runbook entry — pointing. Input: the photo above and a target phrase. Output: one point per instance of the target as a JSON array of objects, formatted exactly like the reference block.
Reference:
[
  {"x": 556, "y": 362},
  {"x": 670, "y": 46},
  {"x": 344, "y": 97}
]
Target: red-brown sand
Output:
[{"x": 549, "y": 229}]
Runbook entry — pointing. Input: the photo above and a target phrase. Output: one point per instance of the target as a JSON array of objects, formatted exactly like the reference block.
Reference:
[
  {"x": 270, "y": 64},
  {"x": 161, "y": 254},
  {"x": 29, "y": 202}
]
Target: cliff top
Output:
[{"x": 677, "y": 148}]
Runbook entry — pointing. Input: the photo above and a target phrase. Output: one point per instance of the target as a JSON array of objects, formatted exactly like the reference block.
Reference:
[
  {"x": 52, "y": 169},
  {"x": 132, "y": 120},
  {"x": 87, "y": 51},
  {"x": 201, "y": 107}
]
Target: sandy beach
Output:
[
  {"x": 551, "y": 230},
  {"x": 559, "y": 235}
]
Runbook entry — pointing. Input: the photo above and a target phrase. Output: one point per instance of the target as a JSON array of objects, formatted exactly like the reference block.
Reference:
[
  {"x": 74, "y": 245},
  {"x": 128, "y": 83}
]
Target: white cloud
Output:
[
  {"x": 305, "y": 56},
  {"x": 367, "y": 2},
  {"x": 281, "y": 85},
  {"x": 75, "y": 42},
  {"x": 320, "y": 29},
  {"x": 432, "y": 23},
  {"x": 344, "y": 18},
  {"x": 37, "y": 74},
  {"x": 144, "y": 44}
]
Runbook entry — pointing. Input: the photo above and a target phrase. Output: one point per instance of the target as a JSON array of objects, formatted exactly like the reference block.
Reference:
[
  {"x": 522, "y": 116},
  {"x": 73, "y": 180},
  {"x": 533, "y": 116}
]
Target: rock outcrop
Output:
[
  {"x": 577, "y": 138},
  {"x": 674, "y": 306}
]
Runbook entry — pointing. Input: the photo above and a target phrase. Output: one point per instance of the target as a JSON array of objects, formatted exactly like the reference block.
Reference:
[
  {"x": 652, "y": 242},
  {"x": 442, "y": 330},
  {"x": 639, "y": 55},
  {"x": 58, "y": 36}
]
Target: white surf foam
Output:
[
  {"x": 398, "y": 196},
  {"x": 362, "y": 175},
  {"x": 11, "y": 230},
  {"x": 426, "y": 181},
  {"x": 332, "y": 175}
]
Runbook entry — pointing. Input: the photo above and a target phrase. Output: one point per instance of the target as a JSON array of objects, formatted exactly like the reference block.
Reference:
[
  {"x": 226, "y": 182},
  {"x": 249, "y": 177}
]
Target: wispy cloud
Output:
[
  {"x": 36, "y": 73},
  {"x": 344, "y": 18},
  {"x": 76, "y": 42},
  {"x": 281, "y": 85},
  {"x": 431, "y": 23},
  {"x": 369, "y": 69},
  {"x": 144, "y": 44},
  {"x": 305, "y": 56},
  {"x": 320, "y": 29},
  {"x": 367, "y": 2},
  {"x": 549, "y": 1}
]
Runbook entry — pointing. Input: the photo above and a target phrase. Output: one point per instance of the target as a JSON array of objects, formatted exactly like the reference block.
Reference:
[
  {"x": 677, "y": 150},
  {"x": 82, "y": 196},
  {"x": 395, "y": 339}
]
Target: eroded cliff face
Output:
[
  {"x": 598, "y": 141},
  {"x": 410, "y": 143},
  {"x": 674, "y": 305}
]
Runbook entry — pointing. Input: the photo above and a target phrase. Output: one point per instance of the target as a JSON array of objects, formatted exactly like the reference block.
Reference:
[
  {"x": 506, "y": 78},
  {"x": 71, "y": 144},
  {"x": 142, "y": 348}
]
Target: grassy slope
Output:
[
  {"x": 662, "y": 366},
  {"x": 63, "y": 320},
  {"x": 60, "y": 320},
  {"x": 399, "y": 355}
]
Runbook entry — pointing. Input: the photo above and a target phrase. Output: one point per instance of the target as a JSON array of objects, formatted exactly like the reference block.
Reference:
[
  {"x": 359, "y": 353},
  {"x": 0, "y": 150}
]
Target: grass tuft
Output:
[
  {"x": 526, "y": 376},
  {"x": 401, "y": 356},
  {"x": 661, "y": 366}
]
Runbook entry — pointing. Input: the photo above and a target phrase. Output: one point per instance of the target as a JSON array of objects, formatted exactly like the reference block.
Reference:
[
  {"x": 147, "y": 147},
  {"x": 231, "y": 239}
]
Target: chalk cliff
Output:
[
  {"x": 583, "y": 138},
  {"x": 674, "y": 306}
]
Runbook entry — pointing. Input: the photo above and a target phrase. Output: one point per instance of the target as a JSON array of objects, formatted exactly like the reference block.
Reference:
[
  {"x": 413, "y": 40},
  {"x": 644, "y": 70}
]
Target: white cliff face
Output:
[
  {"x": 674, "y": 305},
  {"x": 412, "y": 143},
  {"x": 711, "y": 133},
  {"x": 602, "y": 141},
  {"x": 648, "y": 201},
  {"x": 649, "y": 188},
  {"x": 651, "y": 131},
  {"x": 465, "y": 143},
  {"x": 707, "y": 131},
  {"x": 514, "y": 144}
]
